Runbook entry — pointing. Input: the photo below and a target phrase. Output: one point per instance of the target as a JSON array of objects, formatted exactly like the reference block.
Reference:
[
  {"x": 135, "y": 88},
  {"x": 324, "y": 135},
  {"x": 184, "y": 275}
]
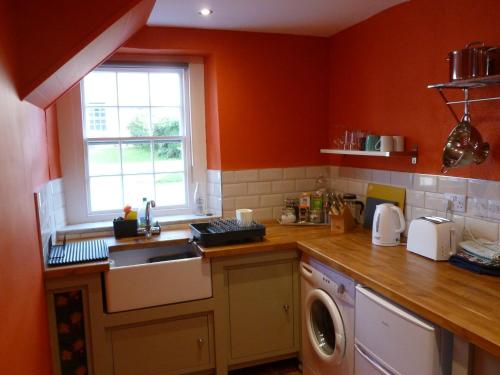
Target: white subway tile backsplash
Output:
[
  {"x": 339, "y": 185},
  {"x": 263, "y": 213},
  {"x": 230, "y": 214},
  {"x": 259, "y": 187},
  {"x": 381, "y": 177},
  {"x": 270, "y": 174},
  {"x": 56, "y": 186},
  {"x": 214, "y": 203},
  {"x": 356, "y": 187},
  {"x": 347, "y": 172},
  {"x": 417, "y": 212},
  {"x": 403, "y": 179},
  {"x": 228, "y": 177},
  {"x": 277, "y": 212},
  {"x": 271, "y": 200},
  {"x": 250, "y": 201},
  {"x": 233, "y": 190},
  {"x": 477, "y": 207},
  {"x": 294, "y": 173},
  {"x": 484, "y": 189},
  {"x": 415, "y": 198},
  {"x": 334, "y": 171},
  {"x": 459, "y": 226},
  {"x": 228, "y": 204},
  {"x": 214, "y": 176},
  {"x": 408, "y": 216},
  {"x": 284, "y": 186},
  {"x": 452, "y": 185},
  {"x": 494, "y": 209},
  {"x": 246, "y": 175},
  {"x": 363, "y": 174},
  {"x": 305, "y": 185},
  {"x": 315, "y": 172},
  {"x": 425, "y": 182},
  {"x": 435, "y": 201},
  {"x": 481, "y": 229}
]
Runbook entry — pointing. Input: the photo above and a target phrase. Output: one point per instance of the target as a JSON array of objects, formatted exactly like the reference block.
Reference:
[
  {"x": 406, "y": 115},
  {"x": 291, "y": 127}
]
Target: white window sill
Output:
[{"x": 107, "y": 226}]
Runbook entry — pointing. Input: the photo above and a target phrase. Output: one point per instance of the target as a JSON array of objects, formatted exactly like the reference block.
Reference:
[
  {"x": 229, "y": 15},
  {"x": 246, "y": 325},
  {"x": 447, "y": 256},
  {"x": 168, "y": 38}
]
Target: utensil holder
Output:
[
  {"x": 342, "y": 223},
  {"x": 125, "y": 228}
]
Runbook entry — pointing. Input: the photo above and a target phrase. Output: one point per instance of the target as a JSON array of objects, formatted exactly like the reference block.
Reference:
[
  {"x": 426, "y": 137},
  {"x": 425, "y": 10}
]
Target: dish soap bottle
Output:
[
  {"x": 199, "y": 202},
  {"x": 141, "y": 213}
]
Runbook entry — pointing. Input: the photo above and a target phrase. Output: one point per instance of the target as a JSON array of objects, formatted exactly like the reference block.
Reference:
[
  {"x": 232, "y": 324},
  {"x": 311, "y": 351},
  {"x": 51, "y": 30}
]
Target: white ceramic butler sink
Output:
[{"x": 145, "y": 277}]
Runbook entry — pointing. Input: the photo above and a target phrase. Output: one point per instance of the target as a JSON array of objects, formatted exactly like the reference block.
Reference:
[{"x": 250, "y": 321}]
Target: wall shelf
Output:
[
  {"x": 386, "y": 154},
  {"x": 465, "y": 85}
]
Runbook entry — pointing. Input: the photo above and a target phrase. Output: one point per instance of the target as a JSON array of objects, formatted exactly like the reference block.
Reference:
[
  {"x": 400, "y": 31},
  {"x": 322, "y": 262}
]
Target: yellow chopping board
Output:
[{"x": 390, "y": 193}]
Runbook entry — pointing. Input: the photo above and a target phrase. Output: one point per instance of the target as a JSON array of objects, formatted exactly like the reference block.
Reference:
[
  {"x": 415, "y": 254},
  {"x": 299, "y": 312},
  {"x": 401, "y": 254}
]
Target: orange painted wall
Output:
[
  {"x": 52, "y": 32},
  {"x": 52, "y": 142},
  {"x": 267, "y": 94},
  {"x": 380, "y": 69},
  {"x": 24, "y": 346}
]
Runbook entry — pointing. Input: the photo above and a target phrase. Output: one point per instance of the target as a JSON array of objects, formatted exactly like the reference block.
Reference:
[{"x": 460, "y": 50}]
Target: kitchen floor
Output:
[{"x": 287, "y": 367}]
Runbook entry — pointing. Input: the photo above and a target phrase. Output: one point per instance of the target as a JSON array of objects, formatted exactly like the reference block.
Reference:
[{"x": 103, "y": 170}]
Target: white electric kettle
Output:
[{"x": 388, "y": 224}]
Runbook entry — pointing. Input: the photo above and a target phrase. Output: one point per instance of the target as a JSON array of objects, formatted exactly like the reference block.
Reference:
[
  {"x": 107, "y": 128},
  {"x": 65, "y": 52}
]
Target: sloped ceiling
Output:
[{"x": 58, "y": 42}]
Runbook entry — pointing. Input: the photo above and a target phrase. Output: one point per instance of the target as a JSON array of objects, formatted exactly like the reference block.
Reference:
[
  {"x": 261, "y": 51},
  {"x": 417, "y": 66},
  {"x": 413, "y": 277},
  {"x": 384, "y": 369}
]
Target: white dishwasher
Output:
[{"x": 390, "y": 340}]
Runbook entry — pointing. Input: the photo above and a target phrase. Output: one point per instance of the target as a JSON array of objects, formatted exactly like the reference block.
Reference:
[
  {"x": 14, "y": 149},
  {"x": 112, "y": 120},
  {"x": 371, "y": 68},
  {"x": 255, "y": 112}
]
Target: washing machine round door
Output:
[{"x": 325, "y": 327}]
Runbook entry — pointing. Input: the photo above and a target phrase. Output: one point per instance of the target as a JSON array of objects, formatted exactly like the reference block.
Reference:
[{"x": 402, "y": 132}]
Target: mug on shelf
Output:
[
  {"x": 399, "y": 143},
  {"x": 372, "y": 143},
  {"x": 386, "y": 143}
]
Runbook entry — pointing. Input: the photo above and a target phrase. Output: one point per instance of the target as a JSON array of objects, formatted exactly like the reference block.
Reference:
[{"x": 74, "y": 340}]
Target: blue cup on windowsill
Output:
[{"x": 372, "y": 143}]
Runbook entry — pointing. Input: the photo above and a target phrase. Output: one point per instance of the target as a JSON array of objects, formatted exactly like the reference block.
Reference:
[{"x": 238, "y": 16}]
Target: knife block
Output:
[{"x": 342, "y": 223}]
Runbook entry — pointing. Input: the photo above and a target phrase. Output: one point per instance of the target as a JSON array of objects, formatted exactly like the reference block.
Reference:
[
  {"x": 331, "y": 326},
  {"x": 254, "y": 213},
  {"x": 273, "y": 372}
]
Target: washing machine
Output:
[{"x": 327, "y": 300}]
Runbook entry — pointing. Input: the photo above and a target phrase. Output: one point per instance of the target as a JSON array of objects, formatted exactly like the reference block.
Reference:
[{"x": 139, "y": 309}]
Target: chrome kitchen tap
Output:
[{"x": 150, "y": 204}]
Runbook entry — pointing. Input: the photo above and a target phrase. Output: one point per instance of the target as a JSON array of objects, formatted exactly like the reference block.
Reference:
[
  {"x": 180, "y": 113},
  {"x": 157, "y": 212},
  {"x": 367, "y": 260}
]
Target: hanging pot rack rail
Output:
[{"x": 465, "y": 85}]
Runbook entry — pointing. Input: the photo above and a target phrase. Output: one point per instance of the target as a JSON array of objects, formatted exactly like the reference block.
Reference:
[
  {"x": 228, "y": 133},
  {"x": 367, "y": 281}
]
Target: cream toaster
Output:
[{"x": 432, "y": 237}]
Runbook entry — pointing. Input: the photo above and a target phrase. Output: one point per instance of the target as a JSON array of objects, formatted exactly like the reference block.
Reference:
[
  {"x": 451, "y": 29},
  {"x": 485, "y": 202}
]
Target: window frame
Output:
[
  {"x": 184, "y": 137},
  {"x": 70, "y": 113}
]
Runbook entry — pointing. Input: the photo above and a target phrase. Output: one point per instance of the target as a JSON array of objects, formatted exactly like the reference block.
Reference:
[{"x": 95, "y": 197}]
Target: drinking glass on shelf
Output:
[{"x": 347, "y": 140}]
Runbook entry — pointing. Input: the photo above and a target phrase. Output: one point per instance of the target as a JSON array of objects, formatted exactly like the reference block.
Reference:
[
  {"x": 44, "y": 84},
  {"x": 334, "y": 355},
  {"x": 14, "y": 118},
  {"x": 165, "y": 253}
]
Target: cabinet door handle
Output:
[
  {"x": 286, "y": 307},
  {"x": 201, "y": 341}
]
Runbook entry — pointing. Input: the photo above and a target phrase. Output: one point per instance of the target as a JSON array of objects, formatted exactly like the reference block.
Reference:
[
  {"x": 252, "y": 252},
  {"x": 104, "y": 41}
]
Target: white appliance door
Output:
[
  {"x": 399, "y": 340},
  {"x": 366, "y": 365},
  {"x": 325, "y": 328}
]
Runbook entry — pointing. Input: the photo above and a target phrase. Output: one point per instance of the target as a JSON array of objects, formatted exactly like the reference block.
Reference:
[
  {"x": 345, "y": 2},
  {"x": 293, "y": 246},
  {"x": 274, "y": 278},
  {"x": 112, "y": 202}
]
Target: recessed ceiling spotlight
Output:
[{"x": 205, "y": 12}]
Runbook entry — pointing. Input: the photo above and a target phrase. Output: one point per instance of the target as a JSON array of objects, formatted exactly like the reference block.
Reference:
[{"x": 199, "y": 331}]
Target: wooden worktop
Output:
[
  {"x": 278, "y": 237},
  {"x": 463, "y": 302}
]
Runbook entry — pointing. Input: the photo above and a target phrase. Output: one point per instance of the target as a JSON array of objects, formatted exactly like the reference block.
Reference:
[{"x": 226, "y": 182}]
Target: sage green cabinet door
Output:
[
  {"x": 169, "y": 347},
  {"x": 260, "y": 309}
]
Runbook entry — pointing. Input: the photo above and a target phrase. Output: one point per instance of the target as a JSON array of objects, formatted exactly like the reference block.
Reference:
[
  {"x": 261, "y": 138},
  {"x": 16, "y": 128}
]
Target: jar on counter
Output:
[
  {"x": 315, "y": 216},
  {"x": 288, "y": 215}
]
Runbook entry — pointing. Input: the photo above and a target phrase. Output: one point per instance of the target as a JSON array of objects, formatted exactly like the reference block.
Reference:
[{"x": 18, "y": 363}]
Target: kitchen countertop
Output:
[{"x": 463, "y": 302}]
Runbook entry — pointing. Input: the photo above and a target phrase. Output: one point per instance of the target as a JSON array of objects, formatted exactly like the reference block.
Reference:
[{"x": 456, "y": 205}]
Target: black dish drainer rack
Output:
[{"x": 219, "y": 232}]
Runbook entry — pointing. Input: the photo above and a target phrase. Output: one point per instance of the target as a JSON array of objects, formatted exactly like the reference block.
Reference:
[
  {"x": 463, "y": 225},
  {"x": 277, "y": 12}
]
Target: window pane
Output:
[
  {"x": 134, "y": 122},
  {"x": 133, "y": 89},
  {"x": 169, "y": 156},
  {"x": 136, "y": 187},
  {"x": 104, "y": 159},
  {"x": 166, "y": 121},
  {"x": 165, "y": 89},
  {"x": 170, "y": 189},
  {"x": 101, "y": 122},
  {"x": 137, "y": 157},
  {"x": 105, "y": 193},
  {"x": 100, "y": 88}
]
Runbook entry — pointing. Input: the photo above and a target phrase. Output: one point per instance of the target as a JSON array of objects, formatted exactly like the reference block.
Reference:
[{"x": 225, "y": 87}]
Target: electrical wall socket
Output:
[{"x": 456, "y": 201}]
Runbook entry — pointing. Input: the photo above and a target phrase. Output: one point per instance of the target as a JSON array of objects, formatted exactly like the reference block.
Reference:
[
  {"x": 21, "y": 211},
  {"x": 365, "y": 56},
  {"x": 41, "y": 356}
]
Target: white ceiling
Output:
[{"x": 301, "y": 17}]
